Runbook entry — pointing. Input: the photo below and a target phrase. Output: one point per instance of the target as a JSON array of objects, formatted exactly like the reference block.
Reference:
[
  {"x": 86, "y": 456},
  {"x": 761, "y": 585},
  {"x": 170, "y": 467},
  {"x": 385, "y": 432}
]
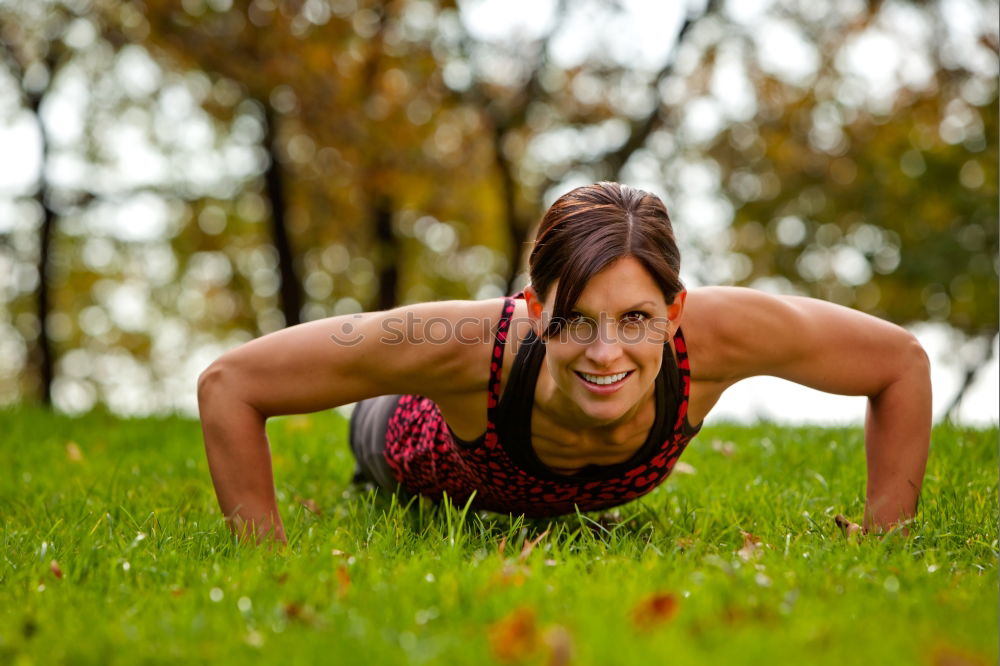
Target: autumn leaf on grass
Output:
[
  {"x": 653, "y": 610},
  {"x": 294, "y": 611},
  {"x": 530, "y": 546},
  {"x": 73, "y": 452},
  {"x": 752, "y": 547},
  {"x": 510, "y": 574},
  {"x": 949, "y": 656},
  {"x": 503, "y": 545},
  {"x": 514, "y": 637},
  {"x": 54, "y": 568},
  {"x": 851, "y": 530},
  {"x": 310, "y": 505},
  {"x": 560, "y": 645},
  {"x": 343, "y": 581}
]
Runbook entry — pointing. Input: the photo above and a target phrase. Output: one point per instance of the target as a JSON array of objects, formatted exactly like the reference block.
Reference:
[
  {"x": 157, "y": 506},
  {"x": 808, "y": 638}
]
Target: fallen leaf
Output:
[
  {"x": 503, "y": 544},
  {"x": 54, "y": 568},
  {"x": 654, "y": 610},
  {"x": 510, "y": 574},
  {"x": 752, "y": 547},
  {"x": 73, "y": 452},
  {"x": 733, "y": 614},
  {"x": 530, "y": 546},
  {"x": 682, "y": 467},
  {"x": 949, "y": 656},
  {"x": 514, "y": 637},
  {"x": 310, "y": 505},
  {"x": 343, "y": 581},
  {"x": 293, "y": 610},
  {"x": 560, "y": 645},
  {"x": 852, "y": 531}
]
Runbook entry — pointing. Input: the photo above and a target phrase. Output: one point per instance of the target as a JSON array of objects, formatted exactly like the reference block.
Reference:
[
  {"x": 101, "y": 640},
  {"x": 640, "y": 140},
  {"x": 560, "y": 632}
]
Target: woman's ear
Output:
[
  {"x": 534, "y": 309},
  {"x": 676, "y": 309},
  {"x": 533, "y": 301}
]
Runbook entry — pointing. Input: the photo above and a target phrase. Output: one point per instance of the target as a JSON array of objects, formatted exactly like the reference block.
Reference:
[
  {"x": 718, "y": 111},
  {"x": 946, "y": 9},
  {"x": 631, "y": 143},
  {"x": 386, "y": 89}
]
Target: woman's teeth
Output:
[{"x": 603, "y": 379}]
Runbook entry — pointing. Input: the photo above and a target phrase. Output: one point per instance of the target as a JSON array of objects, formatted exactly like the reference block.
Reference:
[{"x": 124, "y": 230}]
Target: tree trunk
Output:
[
  {"x": 290, "y": 294},
  {"x": 42, "y": 352},
  {"x": 388, "y": 254},
  {"x": 969, "y": 379}
]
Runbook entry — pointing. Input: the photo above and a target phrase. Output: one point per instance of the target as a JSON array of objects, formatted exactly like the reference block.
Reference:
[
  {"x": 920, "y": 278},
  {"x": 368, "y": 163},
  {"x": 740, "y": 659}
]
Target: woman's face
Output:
[{"x": 604, "y": 361}]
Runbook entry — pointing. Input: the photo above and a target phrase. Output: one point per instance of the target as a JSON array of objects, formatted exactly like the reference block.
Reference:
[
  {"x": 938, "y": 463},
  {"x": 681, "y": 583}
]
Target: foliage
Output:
[
  {"x": 114, "y": 552},
  {"x": 884, "y": 200}
]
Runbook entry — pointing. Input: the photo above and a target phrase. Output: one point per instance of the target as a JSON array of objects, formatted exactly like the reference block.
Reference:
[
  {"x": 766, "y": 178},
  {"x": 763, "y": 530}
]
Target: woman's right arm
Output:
[{"x": 434, "y": 349}]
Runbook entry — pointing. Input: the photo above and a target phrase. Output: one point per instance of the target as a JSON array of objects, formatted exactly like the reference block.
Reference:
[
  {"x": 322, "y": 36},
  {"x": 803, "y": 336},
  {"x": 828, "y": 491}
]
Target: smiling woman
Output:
[{"x": 603, "y": 392}]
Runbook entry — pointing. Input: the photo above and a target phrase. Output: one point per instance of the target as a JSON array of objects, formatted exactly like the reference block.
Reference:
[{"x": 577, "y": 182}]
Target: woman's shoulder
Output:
[
  {"x": 725, "y": 326},
  {"x": 460, "y": 334}
]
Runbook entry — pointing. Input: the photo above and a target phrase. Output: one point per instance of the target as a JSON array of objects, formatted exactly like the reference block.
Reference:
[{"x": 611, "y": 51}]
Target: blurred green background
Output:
[{"x": 177, "y": 178}]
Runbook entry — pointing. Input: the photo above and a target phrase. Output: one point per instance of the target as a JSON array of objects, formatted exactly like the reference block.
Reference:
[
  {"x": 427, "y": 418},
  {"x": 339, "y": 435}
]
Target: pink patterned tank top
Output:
[{"x": 500, "y": 466}]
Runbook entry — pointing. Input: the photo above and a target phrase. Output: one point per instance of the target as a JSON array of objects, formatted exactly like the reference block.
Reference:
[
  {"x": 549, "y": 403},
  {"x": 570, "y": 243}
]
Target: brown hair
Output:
[{"x": 589, "y": 228}]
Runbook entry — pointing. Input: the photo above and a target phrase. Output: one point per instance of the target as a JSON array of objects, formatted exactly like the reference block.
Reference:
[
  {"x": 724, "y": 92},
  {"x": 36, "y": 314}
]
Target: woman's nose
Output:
[{"x": 605, "y": 349}]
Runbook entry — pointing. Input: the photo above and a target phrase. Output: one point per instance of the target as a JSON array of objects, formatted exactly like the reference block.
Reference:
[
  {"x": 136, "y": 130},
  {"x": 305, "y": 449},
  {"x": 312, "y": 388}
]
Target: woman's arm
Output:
[
  {"x": 434, "y": 349},
  {"x": 739, "y": 333}
]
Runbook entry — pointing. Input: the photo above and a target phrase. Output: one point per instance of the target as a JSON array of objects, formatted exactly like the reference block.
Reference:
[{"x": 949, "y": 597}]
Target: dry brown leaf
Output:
[
  {"x": 503, "y": 544},
  {"x": 510, "y": 574},
  {"x": 949, "y": 656},
  {"x": 343, "y": 581},
  {"x": 560, "y": 645},
  {"x": 310, "y": 504},
  {"x": 73, "y": 452},
  {"x": 54, "y": 568},
  {"x": 656, "y": 609},
  {"x": 514, "y": 637},
  {"x": 851, "y": 530},
  {"x": 752, "y": 547},
  {"x": 530, "y": 546}
]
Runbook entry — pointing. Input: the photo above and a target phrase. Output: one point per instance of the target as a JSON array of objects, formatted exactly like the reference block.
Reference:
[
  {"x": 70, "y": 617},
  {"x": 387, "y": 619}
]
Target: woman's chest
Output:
[{"x": 566, "y": 450}]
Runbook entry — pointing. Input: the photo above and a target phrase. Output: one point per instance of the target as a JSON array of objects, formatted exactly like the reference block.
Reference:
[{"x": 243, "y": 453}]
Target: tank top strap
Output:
[
  {"x": 684, "y": 369},
  {"x": 496, "y": 360}
]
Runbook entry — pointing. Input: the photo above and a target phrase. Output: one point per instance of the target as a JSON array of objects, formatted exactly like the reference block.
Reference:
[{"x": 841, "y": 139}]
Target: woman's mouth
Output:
[{"x": 603, "y": 383}]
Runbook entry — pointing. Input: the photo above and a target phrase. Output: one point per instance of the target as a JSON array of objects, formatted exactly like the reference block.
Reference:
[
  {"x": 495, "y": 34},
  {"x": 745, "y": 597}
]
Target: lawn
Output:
[{"x": 114, "y": 552}]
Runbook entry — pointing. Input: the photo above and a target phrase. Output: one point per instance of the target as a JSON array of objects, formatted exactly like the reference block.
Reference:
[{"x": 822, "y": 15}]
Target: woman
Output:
[{"x": 581, "y": 391}]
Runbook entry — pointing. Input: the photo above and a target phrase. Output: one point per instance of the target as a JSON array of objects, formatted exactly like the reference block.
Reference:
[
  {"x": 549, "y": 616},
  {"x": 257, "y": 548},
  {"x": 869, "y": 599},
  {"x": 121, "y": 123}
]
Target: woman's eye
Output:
[{"x": 635, "y": 317}]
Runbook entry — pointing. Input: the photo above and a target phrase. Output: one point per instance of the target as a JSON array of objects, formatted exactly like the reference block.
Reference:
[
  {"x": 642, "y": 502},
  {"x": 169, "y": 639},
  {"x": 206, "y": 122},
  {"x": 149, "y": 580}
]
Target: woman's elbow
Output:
[{"x": 212, "y": 382}]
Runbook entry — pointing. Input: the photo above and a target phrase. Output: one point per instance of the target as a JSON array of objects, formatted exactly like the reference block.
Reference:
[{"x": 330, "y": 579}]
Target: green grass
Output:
[{"x": 151, "y": 575}]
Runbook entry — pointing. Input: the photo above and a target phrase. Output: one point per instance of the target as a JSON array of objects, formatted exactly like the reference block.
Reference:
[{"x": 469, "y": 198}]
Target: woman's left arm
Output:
[{"x": 834, "y": 349}]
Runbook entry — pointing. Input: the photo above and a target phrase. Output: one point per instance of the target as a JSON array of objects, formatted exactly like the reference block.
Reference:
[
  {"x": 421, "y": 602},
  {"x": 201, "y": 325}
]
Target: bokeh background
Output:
[{"x": 180, "y": 176}]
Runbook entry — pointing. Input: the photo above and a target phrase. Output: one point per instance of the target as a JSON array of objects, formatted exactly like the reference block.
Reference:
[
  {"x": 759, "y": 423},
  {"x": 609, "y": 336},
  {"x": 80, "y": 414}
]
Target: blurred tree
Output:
[
  {"x": 347, "y": 96},
  {"x": 32, "y": 50},
  {"x": 526, "y": 98},
  {"x": 873, "y": 190}
]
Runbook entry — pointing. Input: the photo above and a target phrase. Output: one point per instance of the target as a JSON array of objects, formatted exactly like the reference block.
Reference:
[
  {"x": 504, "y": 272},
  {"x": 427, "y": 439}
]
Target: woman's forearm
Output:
[
  {"x": 897, "y": 440},
  {"x": 239, "y": 459}
]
